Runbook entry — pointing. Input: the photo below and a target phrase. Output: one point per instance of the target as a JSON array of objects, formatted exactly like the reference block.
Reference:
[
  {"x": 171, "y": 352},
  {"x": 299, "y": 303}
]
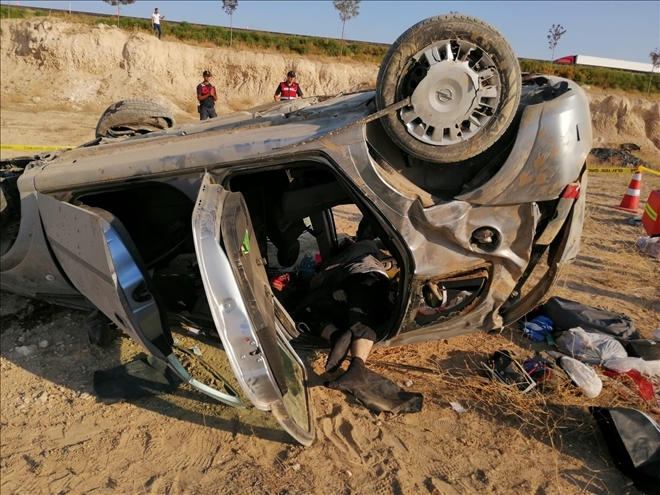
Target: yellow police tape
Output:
[
  {"x": 641, "y": 168},
  {"x": 29, "y": 147},
  {"x": 646, "y": 169},
  {"x": 612, "y": 170}
]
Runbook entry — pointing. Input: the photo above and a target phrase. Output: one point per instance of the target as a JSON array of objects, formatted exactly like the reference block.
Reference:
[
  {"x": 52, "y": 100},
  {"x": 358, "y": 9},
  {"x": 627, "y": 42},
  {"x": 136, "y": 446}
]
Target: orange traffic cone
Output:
[{"x": 630, "y": 201}]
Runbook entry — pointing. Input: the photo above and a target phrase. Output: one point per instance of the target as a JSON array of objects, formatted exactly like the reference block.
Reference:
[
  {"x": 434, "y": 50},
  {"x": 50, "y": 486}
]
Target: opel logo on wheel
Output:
[{"x": 445, "y": 95}]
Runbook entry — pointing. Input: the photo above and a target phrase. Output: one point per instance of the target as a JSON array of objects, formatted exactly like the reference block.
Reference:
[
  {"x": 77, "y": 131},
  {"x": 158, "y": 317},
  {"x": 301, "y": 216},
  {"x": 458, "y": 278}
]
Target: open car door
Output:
[
  {"x": 103, "y": 264},
  {"x": 244, "y": 310}
]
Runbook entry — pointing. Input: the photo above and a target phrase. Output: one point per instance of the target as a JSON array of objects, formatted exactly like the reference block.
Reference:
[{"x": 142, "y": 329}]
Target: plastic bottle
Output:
[{"x": 307, "y": 267}]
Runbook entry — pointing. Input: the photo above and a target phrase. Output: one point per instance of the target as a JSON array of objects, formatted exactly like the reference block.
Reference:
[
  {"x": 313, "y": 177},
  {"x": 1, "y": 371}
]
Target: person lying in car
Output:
[{"x": 348, "y": 298}]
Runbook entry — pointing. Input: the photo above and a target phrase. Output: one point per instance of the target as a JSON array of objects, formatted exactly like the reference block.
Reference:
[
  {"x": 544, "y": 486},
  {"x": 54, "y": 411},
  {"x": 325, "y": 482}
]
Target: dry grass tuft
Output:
[{"x": 549, "y": 412}]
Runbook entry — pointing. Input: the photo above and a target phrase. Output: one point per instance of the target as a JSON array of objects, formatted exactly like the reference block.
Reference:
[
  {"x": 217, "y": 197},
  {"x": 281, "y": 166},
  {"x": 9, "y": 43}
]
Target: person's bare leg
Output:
[
  {"x": 361, "y": 348},
  {"x": 354, "y": 376}
]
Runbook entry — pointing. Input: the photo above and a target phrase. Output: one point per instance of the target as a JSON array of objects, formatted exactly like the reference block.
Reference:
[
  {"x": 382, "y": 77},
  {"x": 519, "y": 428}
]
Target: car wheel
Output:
[
  {"x": 464, "y": 84},
  {"x": 132, "y": 117}
]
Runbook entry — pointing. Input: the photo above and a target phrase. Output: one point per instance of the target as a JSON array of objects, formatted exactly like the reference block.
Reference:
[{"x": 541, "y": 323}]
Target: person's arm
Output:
[
  {"x": 215, "y": 97},
  {"x": 278, "y": 91},
  {"x": 299, "y": 92},
  {"x": 152, "y": 22},
  {"x": 200, "y": 96}
]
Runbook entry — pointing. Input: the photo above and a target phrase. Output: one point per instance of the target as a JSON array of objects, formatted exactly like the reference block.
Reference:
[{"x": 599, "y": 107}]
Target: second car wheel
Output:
[
  {"x": 133, "y": 117},
  {"x": 463, "y": 81}
]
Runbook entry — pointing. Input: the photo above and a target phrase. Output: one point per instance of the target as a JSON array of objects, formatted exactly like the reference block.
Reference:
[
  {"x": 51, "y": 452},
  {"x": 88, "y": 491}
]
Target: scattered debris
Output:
[
  {"x": 590, "y": 348},
  {"x": 649, "y": 246},
  {"x": 647, "y": 349},
  {"x": 43, "y": 344},
  {"x": 26, "y": 350},
  {"x": 348, "y": 473},
  {"x": 382, "y": 394},
  {"x": 457, "y": 407},
  {"x": 567, "y": 314},
  {"x": 296, "y": 467},
  {"x": 505, "y": 369},
  {"x": 583, "y": 376},
  {"x": 196, "y": 350},
  {"x": 633, "y": 439},
  {"x": 644, "y": 386},
  {"x": 196, "y": 331},
  {"x": 630, "y": 147},
  {"x": 625, "y": 158},
  {"x": 408, "y": 383},
  {"x": 538, "y": 328}
]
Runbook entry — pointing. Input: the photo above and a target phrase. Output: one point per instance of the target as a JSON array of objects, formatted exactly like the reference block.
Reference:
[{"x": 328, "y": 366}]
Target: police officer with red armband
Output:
[
  {"x": 207, "y": 97},
  {"x": 289, "y": 89}
]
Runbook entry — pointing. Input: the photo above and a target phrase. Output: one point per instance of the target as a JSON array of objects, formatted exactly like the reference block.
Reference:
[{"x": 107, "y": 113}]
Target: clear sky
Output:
[{"x": 623, "y": 30}]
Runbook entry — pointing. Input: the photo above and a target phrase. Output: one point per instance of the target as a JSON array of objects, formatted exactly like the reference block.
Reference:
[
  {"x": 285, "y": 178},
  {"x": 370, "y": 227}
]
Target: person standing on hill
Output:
[
  {"x": 206, "y": 96},
  {"x": 289, "y": 89},
  {"x": 155, "y": 22}
]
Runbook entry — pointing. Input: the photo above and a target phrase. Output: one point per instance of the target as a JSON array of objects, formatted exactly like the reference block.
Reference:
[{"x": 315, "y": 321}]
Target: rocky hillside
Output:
[{"x": 52, "y": 61}]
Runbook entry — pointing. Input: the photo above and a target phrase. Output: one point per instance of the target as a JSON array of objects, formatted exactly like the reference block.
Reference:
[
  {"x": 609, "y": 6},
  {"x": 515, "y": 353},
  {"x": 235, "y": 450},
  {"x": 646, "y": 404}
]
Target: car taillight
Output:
[{"x": 572, "y": 191}]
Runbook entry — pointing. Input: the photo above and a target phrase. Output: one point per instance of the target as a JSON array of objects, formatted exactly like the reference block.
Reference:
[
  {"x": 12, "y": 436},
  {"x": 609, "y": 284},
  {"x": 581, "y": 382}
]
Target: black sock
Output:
[
  {"x": 341, "y": 343},
  {"x": 353, "y": 378}
]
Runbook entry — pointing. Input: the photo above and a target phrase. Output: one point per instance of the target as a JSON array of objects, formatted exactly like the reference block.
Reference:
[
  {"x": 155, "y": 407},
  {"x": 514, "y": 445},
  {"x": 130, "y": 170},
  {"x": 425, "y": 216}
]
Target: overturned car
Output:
[{"x": 471, "y": 177}]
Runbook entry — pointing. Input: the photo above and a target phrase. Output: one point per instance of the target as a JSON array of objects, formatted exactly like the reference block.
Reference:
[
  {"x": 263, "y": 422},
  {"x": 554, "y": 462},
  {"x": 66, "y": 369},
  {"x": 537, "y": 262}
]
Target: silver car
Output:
[{"x": 471, "y": 177}]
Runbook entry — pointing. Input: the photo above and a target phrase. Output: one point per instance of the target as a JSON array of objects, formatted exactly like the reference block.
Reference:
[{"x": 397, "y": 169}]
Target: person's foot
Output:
[
  {"x": 352, "y": 379},
  {"x": 341, "y": 343}
]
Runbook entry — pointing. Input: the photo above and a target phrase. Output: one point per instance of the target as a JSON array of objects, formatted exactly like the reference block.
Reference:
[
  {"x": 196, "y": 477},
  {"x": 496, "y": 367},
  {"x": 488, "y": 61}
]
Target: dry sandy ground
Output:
[{"x": 56, "y": 438}]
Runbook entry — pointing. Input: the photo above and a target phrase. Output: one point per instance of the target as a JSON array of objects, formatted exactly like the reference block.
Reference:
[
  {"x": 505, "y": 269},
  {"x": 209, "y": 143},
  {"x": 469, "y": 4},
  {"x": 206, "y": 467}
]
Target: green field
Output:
[{"x": 311, "y": 46}]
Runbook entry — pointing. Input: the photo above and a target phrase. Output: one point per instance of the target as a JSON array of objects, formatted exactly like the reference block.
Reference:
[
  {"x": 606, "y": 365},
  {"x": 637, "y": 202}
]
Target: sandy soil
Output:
[{"x": 57, "y": 438}]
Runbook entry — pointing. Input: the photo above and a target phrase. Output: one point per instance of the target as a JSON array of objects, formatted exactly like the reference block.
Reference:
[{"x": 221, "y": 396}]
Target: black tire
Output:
[
  {"x": 406, "y": 67},
  {"x": 132, "y": 117}
]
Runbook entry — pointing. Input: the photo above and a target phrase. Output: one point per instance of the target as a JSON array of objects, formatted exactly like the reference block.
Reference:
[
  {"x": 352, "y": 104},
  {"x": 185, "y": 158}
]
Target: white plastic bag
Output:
[
  {"x": 583, "y": 376},
  {"x": 590, "y": 348},
  {"x": 621, "y": 365}
]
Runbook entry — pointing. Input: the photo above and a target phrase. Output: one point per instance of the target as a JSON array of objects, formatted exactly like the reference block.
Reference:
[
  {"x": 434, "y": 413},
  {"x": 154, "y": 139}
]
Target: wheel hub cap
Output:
[{"x": 455, "y": 96}]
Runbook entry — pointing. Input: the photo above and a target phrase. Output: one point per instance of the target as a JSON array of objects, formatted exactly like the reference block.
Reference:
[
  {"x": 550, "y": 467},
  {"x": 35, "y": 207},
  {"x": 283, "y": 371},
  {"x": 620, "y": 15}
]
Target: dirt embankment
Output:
[
  {"x": 50, "y": 61},
  {"x": 54, "y": 63},
  {"x": 619, "y": 119}
]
